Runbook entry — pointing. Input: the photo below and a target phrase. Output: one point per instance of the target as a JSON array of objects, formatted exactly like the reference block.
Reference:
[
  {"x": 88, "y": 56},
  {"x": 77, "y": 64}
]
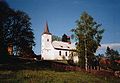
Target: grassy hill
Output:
[
  {"x": 49, "y": 76},
  {"x": 40, "y": 72}
]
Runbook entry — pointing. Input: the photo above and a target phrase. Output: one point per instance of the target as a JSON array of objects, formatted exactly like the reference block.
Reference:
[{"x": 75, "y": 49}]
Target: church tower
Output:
[{"x": 46, "y": 42}]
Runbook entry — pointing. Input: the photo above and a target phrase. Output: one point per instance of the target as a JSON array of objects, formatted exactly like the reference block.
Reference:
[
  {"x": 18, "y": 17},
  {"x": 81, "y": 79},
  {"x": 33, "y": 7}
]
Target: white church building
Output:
[{"x": 56, "y": 50}]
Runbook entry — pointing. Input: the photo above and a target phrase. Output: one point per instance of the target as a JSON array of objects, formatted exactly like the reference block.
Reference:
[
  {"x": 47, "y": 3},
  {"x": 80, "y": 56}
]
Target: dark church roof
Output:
[{"x": 46, "y": 30}]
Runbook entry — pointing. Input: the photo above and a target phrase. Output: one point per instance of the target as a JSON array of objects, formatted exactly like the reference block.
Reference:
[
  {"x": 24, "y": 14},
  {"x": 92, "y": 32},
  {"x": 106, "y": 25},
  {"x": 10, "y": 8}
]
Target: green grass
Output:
[
  {"x": 49, "y": 76},
  {"x": 40, "y": 72}
]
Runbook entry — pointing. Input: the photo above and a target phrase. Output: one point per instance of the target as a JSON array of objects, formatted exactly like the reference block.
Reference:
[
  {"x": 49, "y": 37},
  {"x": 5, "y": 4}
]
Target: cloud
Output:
[{"x": 111, "y": 45}]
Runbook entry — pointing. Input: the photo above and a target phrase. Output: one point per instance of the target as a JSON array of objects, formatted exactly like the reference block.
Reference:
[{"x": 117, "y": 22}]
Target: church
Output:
[{"x": 56, "y": 50}]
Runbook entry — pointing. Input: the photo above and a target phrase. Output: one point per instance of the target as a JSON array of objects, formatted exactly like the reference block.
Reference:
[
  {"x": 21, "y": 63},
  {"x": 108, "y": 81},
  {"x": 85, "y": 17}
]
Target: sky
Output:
[{"x": 62, "y": 14}]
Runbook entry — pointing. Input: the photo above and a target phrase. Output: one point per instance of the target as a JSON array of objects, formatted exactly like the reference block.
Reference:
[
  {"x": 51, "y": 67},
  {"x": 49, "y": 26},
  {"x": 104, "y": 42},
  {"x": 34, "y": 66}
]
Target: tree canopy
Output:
[
  {"x": 15, "y": 29},
  {"x": 114, "y": 58},
  {"x": 88, "y": 35},
  {"x": 56, "y": 38},
  {"x": 5, "y": 16},
  {"x": 112, "y": 54},
  {"x": 65, "y": 38}
]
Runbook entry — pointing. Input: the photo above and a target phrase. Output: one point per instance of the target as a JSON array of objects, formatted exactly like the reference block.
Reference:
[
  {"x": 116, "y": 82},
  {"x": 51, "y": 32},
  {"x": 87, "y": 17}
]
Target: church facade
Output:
[{"x": 56, "y": 50}]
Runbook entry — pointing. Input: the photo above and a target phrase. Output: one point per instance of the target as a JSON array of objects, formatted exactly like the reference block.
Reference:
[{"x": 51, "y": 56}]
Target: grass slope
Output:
[
  {"x": 49, "y": 76},
  {"x": 39, "y": 72}
]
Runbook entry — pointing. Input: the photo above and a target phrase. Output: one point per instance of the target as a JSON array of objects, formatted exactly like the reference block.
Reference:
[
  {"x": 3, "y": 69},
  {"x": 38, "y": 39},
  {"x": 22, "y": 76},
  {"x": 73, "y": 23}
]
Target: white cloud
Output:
[
  {"x": 111, "y": 45},
  {"x": 102, "y": 49}
]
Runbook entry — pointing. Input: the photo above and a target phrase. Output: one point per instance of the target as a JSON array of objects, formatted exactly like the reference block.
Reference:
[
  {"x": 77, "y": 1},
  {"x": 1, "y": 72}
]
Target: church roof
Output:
[
  {"x": 46, "y": 29},
  {"x": 63, "y": 45}
]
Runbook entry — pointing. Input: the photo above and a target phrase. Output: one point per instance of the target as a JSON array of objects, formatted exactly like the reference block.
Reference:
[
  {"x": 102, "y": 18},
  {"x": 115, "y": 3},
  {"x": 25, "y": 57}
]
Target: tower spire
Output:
[{"x": 46, "y": 29}]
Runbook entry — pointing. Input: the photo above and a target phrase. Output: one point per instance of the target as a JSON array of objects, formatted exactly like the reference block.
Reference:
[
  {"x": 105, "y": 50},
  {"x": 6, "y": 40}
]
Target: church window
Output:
[
  {"x": 66, "y": 53},
  {"x": 68, "y": 47},
  {"x": 72, "y": 54},
  {"x": 60, "y": 53},
  {"x": 61, "y": 46},
  {"x": 48, "y": 40}
]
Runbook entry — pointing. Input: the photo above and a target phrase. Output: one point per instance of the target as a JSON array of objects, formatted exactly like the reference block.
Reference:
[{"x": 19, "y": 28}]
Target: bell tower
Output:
[{"x": 46, "y": 41}]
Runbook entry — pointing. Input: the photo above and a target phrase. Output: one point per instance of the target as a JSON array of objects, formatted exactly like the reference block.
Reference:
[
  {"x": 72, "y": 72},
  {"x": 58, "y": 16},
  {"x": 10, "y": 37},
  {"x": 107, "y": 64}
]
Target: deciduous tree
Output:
[
  {"x": 15, "y": 28},
  {"x": 88, "y": 35},
  {"x": 5, "y": 21},
  {"x": 21, "y": 33}
]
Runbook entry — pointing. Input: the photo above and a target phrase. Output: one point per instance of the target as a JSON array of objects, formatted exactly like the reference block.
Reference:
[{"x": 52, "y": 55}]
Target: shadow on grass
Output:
[{"x": 15, "y": 64}]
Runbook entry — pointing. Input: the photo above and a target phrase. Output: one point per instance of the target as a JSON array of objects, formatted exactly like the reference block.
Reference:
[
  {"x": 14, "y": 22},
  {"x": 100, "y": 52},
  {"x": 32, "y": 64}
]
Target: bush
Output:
[
  {"x": 71, "y": 62},
  {"x": 115, "y": 66}
]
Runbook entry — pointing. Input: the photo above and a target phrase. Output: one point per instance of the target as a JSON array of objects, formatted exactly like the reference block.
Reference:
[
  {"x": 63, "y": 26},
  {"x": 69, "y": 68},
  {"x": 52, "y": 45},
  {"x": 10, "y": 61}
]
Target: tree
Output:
[
  {"x": 15, "y": 28},
  {"x": 5, "y": 18},
  {"x": 56, "y": 38},
  {"x": 65, "y": 38},
  {"x": 108, "y": 52},
  {"x": 113, "y": 55},
  {"x": 21, "y": 33},
  {"x": 88, "y": 35}
]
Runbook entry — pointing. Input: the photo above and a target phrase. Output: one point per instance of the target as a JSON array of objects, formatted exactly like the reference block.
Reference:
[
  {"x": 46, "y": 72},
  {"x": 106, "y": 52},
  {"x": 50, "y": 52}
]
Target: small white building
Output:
[{"x": 56, "y": 50}]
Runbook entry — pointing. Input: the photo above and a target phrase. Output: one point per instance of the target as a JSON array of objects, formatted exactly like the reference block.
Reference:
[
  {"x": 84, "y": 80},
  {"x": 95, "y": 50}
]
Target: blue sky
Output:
[{"x": 62, "y": 14}]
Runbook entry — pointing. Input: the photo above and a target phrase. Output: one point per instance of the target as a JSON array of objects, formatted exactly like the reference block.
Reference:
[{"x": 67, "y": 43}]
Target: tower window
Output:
[
  {"x": 60, "y": 53},
  {"x": 48, "y": 40},
  {"x": 66, "y": 53}
]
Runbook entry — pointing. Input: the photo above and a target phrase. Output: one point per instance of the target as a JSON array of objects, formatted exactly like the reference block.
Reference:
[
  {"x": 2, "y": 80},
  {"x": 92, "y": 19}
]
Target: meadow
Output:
[
  {"x": 50, "y": 76},
  {"x": 40, "y": 72}
]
